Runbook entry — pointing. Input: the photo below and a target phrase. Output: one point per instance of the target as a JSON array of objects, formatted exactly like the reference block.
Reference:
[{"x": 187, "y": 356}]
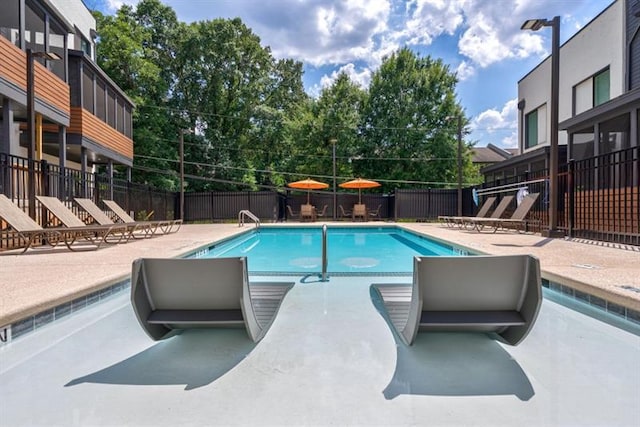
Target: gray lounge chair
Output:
[
  {"x": 517, "y": 219},
  {"x": 487, "y": 293},
  {"x": 114, "y": 233},
  {"x": 165, "y": 226},
  {"x": 136, "y": 230},
  {"x": 483, "y": 212},
  {"x": 31, "y": 233},
  {"x": 172, "y": 294},
  {"x": 473, "y": 222}
]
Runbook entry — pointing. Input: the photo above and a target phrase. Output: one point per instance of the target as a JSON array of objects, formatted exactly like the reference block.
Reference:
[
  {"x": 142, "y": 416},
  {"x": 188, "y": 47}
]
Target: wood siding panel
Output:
[
  {"x": 48, "y": 87},
  {"x": 86, "y": 124},
  {"x": 51, "y": 88},
  {"x": 13, "y": 66}
]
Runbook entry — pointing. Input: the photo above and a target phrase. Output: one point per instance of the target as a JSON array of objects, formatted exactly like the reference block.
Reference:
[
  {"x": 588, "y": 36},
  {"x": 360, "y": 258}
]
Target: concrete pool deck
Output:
[
  {"x": 42, "y": 279},
  {"x": 329, "y": 358}
]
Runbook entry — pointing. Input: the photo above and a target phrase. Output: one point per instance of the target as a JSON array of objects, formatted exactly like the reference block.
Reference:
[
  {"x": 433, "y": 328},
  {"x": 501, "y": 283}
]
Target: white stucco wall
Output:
[
  {"x": 78, "y": 15},
  {"x": 598, "y": 45}
]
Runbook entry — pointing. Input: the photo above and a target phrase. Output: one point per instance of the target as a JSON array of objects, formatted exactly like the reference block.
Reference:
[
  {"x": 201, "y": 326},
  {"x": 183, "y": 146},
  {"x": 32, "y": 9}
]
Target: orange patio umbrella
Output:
[
  {"x": 360, "y": 183},
  {"x": 308, "y": 184}
]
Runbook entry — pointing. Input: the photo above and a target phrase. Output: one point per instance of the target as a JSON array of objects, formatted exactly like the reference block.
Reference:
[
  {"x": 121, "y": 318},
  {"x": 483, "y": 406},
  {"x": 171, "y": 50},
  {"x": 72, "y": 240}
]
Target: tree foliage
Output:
[{"x": 254, "y": 125}]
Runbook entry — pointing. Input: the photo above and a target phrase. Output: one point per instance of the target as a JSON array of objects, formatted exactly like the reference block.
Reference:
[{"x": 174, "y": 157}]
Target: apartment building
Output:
[{"x": 81, "y": 117}]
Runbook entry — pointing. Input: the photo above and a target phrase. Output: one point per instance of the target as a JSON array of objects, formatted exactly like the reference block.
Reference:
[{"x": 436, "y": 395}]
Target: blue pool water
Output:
[{"x": 362, "y": 251}]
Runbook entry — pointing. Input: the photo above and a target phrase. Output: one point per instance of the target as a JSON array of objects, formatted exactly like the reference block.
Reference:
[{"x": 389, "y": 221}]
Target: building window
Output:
[
  {"x": 592, "y": 92},
  {"x": 601, "y": 87},
  {"x": 532, "y": 129},
  {"x": 85, "y": 46}
]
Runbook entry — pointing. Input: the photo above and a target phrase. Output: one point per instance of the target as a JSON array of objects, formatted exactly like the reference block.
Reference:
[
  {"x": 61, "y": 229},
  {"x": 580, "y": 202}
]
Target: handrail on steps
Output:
[
  {"x": 325, "y": 260},
  {"x": 246, "y": 213}
]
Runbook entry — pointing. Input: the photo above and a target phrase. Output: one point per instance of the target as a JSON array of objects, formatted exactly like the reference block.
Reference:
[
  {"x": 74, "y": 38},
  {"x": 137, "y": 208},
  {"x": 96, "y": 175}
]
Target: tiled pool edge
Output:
[
  {"x": 32, "y": 323},
  {"x": 596, "y": 302}
]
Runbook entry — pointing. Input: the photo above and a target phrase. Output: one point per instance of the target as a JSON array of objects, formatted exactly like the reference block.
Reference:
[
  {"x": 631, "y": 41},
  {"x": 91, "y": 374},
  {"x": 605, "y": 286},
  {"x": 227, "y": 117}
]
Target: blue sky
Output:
[{"x": 479, "y": 39}]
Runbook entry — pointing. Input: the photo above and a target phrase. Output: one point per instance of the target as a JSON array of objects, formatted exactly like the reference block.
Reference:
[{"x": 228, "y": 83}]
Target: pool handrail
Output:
[{"x": 247, "y": 213}]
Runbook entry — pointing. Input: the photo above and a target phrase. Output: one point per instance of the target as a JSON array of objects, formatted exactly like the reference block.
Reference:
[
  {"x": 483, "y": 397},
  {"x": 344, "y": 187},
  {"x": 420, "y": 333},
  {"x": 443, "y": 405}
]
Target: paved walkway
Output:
[{"x": 41, "y": 279}]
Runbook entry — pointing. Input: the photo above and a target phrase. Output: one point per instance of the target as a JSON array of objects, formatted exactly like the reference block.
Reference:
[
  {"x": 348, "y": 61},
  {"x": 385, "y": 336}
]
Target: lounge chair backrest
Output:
[
  {"x": 525, "y": 206},
  {"x": 60, "y": 211},
  {"x": 484, "y": 209},
  {"x": 168, "y": 294},
  {"x": 116, "y": 209},
  {"x": 472, "y": 283},
  {"x": 18, "y": 219},
  {"x": 212, "y": 285},
  {"x": 502, "y": 207},
  {"x": 489, "y": 293},
  {"x": 93, "y": 210}
]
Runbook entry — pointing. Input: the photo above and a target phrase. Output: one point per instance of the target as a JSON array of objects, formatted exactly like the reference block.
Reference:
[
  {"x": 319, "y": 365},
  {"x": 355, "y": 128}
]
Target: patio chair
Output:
[
  {"x": 344, "y": 213},
  {"x": 31, "y": 233},
  {"x": 136, "y": 229},
  {"x": 172, "y": 294},
  {"x": 483, "y": 212},
  {"x": 375, "y": 213},
  {"x": 165, "y": 226},
  {"x": 292, "y": 214},
  {"x": 114, "y": 233},
  {"x": 517, "y": 219},
  {"x": 323, "y": 212},
  {"x": 484, "y": 293}
]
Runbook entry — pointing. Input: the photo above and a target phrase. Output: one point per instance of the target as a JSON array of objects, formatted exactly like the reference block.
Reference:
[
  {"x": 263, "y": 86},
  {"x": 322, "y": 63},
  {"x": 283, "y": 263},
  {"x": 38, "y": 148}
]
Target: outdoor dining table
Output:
[
  {"x": 359, "y": 211},
  {"x": 307, "y": 212}
]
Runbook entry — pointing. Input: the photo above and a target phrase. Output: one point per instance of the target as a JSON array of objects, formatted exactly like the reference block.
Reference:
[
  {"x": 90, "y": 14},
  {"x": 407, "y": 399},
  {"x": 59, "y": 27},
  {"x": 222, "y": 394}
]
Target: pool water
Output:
[{"x": 351, "y": 251}]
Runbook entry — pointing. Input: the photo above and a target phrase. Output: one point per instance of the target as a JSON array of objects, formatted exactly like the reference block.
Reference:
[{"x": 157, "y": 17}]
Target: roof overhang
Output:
[{"x": 610, "y": 109}]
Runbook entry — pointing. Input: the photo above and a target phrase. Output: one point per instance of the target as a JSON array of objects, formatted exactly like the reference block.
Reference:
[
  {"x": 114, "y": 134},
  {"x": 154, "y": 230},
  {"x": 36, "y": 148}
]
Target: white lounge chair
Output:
[
  {"x": 482, "y": 293},
  {"x": 170, "y": 294}
]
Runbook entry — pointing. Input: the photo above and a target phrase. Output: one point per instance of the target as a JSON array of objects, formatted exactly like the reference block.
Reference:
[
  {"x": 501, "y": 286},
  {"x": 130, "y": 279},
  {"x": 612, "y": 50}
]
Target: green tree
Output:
[{"x": 410, "y": 121}]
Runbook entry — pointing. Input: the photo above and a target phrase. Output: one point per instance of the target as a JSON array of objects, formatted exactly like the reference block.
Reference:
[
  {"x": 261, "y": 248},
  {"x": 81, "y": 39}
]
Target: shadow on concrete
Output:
[
  {"x": 196, "y": 358},
  {"x": 454, "y": 364}
]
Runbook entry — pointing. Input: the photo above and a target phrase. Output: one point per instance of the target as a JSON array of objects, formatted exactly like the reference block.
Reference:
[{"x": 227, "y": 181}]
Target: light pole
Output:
[
  {"x": 182, "y": 132},
  {"x": 333, "y": 142},
  {"x": 459, "y": 165},
  {"x": 535, "y": 25},
  {"x": 31, "y": 123}
]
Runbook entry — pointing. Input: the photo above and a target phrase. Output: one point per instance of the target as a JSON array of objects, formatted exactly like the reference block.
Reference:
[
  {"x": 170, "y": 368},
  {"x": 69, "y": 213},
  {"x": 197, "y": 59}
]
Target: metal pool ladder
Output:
[
  {"x": 247, "y": 214},
  {"x": 325, "y": 261}
]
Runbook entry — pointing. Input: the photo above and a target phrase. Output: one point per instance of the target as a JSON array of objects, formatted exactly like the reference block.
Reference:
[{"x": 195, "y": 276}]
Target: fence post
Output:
[
  {"x": 570, "y": 189},
  {"x": 44, "y": 168}
]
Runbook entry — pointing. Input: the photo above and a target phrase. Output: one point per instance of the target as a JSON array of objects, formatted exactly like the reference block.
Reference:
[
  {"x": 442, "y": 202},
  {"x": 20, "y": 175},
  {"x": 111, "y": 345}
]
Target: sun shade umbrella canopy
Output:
[
  {"x": 360, "y": 183},
  {"x": 308, "y": 184}
]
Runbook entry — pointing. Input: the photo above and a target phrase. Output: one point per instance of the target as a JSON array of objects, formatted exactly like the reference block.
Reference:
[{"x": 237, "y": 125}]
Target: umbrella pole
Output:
[{"x": 308, "y": 195}]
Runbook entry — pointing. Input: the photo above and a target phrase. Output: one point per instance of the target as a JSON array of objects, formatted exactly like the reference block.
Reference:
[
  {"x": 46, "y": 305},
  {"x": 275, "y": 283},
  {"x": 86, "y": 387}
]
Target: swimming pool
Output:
[{"x": 350, "y": 250}]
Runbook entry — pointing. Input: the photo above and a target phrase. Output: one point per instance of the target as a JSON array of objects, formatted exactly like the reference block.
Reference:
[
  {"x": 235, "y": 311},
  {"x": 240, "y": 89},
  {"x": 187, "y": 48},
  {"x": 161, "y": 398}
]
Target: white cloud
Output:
[
  {"x": 465, "y": 71},
  {"x": 493, "y": 120},
  {"x": 361, "y": 78}
]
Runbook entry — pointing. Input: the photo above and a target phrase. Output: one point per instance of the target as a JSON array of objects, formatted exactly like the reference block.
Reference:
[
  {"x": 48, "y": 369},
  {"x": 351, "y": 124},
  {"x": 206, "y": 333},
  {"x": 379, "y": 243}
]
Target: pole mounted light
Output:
[
  {"x": 535, "y": 25},
  {"x": 182, "y": 132},
  {"x": 31, "y": 123}
]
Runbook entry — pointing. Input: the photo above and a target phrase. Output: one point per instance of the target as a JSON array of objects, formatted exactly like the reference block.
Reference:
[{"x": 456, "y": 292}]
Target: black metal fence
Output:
[{"x": 598, "y": 198}]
